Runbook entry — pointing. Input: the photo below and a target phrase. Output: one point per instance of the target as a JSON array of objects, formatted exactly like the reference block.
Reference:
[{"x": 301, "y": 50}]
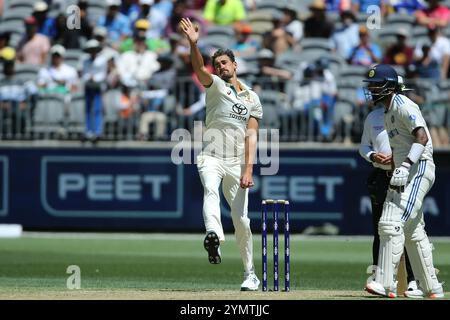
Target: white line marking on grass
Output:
[{"x": 188, "y": 236}]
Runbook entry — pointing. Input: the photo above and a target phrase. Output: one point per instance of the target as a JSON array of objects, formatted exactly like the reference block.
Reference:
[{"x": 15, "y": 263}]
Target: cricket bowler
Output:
[{"x": 232, "y": 114}]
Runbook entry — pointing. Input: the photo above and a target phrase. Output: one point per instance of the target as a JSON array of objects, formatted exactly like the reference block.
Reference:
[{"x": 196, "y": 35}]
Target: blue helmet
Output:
[{"x": 382, "y": 81}]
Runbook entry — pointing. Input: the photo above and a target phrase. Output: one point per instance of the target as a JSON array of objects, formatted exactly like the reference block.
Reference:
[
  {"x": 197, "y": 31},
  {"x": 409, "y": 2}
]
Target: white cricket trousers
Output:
[{"x": 214, "y": 171}]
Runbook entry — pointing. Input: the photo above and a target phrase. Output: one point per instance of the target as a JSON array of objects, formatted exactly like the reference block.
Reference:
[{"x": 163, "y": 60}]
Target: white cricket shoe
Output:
[
  {"x": 436, "y": 293},
  {"x": 377, "y": 288},
  {"x": 413, "y": 291},
  {"x": 251, "y": 283}
]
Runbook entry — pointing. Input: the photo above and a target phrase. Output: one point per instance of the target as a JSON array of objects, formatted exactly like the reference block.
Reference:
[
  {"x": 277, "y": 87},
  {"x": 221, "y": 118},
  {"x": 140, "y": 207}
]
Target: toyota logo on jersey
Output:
[{"x": 240, "y": 109}]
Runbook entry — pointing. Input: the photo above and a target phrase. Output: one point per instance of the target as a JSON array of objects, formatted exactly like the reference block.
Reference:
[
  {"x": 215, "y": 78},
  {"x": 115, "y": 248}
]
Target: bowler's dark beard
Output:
[{"x": 226, "y": 77}]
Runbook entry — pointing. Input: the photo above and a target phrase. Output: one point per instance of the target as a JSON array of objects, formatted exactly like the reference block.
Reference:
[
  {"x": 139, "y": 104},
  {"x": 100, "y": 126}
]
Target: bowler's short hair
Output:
[{"x": 223, "y": 52}]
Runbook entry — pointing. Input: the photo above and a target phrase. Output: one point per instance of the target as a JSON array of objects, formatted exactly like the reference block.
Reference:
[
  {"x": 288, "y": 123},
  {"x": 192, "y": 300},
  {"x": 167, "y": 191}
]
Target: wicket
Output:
[{"x": 275, "y": 207}]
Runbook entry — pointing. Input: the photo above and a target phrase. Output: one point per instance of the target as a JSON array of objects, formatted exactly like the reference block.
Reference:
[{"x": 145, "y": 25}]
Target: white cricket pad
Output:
[
  {"x": 392, "y": 240},
  {"x": 420, "y": 255}
]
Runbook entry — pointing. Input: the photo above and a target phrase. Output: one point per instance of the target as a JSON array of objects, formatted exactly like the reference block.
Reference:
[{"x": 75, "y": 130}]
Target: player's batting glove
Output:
[{"x": 400, "y": 177}]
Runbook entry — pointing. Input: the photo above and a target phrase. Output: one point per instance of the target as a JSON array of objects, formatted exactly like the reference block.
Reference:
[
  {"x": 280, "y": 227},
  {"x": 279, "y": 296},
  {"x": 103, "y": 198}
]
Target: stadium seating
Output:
[
  {"x": 316, "y": 43},
  {"x": 309, "y": 50},
  {"x": 27, "y": 72},
  {"x": 260, "y": 15},
  {"x": 48, "y": 116},
  {"x": 76, "y": 115},
  {"x": 72, "y": 57},
  {"x": 261, "y": 27},
  {"x": 400, "y": 19},
  {"x": 22, "y": 4},
  {"x": 18, "y": 13}
]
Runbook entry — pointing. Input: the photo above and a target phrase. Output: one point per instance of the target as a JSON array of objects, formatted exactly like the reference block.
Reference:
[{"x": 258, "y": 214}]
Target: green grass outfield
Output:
[{"x": 175, "y": 266}]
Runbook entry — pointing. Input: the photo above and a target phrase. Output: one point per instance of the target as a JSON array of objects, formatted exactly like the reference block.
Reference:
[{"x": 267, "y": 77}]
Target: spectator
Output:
[
  {"x": 117, "y": 24},
  {"x": 165, "y": 6},
  {"x": 314, "y": 88},
  {"x": 129, "y": 8},
  {"x": 224, "y": 12},
  {"x": 427, "y": 67},
  {"x": 435, "y": 16},
  {"x": 270, "y": 77},
  {"x": 14, "y": 95},
  {"x": 404, "y": 6},
  {"x": 318, "y": 25},
  {"x": 128, "y": 102},
  {"x": 100, "y": 34},
  {"x": 4, "y": 39},
  {"x": 178, "y": 50},
  {"x": 328, "y": 98},
  {"x": 415, "y": 91},
  {"x": 434, "y": 114},
  {"x": 292, "y": 25},
  {"x": 93, "y": 74},
  {"x": 157, "y": 19},
  {"x": 137, "y": 66},
  {"x": 400, "y": 53},
  {"x": 304, "y": 94},
  {"x": 110, "y": 55},
  {"x": 68, "y": 38},
  {"x": 87, "y": 23},
  {"x": 192, "y": 107},
  {"x": 58, "y": 77},
  {"x": 181, "y": 10},
  {"x": 181, "y": 52},
  {"x": 200, "y": 4},
  {"x": 362, "y": 6},
  {"x": 157, "y": 45},
  {"x": 161, "y": 85},
  {"x": 34, "y": 47},
  {"x": 244, "y": 45},
  {"x": 338, "y": 5},
  {"x": 46, "y": 24},
  {"x": 365, "y": 53},
  {"x": 266, "y": 62},
  {"x": 347, "y": 37},
  {"x": 276, "y": 39},
  {"x": 438, "y": 52},
  {"x": 112, "y": 74}
]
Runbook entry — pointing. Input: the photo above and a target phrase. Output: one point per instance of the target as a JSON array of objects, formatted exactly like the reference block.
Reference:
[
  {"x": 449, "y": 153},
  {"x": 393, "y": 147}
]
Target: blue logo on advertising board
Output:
[
  {"x": 316, "y": 185},
  {"x": 115, "y": 186}
]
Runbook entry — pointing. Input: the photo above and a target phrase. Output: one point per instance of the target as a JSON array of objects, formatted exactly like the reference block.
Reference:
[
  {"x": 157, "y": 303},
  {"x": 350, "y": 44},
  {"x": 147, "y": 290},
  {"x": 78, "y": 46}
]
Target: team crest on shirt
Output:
[{"x": 412, "y": 117}]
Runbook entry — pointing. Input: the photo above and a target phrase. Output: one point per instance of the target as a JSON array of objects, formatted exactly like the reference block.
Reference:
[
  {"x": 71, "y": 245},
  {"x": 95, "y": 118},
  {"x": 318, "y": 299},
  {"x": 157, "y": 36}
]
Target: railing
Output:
[{"x": 63, "y": 117}]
